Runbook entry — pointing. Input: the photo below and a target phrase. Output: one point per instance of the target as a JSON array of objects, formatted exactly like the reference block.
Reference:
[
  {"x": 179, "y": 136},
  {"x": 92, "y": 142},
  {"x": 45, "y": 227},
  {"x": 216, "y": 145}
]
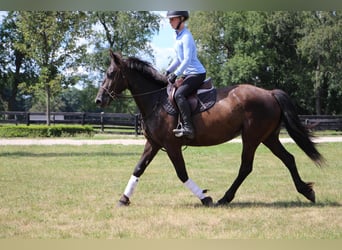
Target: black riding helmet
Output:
[{"x": 176, "y": 13}]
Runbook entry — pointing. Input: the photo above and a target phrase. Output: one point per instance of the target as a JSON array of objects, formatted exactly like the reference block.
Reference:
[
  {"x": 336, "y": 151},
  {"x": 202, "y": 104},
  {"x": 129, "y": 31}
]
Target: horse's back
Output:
[
  {"x": 239, "y": 107},
  {"x": 249, "y": 98}
]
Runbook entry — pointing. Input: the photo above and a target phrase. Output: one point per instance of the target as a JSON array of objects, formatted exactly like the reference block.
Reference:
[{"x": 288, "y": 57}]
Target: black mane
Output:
[{"x": 146, "y": 69}]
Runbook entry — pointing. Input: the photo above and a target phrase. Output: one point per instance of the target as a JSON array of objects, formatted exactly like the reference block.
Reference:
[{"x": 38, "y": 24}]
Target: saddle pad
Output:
[{"x": 205, "y": 101}]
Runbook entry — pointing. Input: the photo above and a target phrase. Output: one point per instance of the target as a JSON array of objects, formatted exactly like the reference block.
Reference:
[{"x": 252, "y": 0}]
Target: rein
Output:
[{"x": 115, "y": 96}]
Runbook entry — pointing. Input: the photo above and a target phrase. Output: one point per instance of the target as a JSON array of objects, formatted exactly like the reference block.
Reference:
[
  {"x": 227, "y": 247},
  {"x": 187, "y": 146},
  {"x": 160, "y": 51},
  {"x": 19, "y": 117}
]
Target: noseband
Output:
[{"x": 111, "y": 94}]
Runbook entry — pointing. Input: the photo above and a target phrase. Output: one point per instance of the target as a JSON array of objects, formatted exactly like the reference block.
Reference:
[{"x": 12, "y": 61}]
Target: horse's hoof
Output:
[
  {"x": 123, "y": 202},
  {"x": 311, "y": 196},
  {"x": 308, "y": 192},
  {"x": 220, "y": 203},
  {"x": 207, "y": 201}
]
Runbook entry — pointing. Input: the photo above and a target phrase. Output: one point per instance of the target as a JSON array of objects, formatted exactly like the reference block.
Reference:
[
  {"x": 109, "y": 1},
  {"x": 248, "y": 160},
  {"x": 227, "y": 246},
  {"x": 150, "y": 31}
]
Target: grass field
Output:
[{"x": 55, "y": 192}]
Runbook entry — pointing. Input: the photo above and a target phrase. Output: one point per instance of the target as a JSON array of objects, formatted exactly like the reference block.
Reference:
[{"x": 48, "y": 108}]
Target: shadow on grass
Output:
[
  {"x": 66, "y": 154},
  {"x": 278, "y": 204}
]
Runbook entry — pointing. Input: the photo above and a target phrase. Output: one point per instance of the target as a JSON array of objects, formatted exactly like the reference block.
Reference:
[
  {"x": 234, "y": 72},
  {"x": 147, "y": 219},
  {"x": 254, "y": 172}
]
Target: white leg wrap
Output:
[
  {"x": 194, "y": 189},
  {"x": 132, "y": 183}
]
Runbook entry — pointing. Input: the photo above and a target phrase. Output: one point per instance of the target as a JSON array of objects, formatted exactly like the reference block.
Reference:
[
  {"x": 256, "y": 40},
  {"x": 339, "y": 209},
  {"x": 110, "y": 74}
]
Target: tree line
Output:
[{"x": 55, "y": 61}]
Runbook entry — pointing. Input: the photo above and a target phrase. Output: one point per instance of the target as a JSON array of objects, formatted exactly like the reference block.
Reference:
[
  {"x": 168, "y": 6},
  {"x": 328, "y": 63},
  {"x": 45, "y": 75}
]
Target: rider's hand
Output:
[{"x": 172, "y": 78}]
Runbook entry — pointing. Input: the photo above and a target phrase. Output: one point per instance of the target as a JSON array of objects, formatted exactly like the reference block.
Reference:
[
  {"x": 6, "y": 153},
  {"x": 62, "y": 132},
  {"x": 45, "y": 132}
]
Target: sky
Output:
[{"x": 163, "y": 44}]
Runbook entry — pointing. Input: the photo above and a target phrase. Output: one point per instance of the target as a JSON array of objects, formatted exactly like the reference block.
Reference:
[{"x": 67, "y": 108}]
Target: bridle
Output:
[{"x": 112, "y": 94}]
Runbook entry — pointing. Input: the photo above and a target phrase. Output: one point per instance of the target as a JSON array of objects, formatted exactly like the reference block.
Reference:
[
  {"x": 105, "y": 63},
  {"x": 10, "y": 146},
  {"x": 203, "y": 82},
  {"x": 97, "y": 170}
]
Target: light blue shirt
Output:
[{"x": 186, "y": 61}]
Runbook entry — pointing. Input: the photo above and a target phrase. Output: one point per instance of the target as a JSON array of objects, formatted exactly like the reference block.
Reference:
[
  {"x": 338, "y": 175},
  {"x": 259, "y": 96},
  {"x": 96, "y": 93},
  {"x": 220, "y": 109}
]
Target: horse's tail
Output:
[{"x": 294, "y": 127}]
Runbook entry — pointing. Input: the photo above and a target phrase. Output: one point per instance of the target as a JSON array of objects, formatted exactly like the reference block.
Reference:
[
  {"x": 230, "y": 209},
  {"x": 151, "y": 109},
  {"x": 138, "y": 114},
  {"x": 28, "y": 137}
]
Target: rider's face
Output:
[{"x": 174, "y": 22}]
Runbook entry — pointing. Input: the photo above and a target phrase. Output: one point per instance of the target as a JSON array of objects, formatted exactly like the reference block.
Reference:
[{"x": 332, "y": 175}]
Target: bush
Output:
[{"x": 44, "y": 130}]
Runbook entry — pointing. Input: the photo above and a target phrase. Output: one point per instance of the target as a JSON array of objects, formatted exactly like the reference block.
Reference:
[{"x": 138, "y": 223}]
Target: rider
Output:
[{"x": 187, "y": 64}]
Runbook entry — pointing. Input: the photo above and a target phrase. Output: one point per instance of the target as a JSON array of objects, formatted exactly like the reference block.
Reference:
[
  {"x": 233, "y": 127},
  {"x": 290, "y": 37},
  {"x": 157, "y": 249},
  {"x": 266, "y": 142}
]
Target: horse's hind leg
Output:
[
  {"x": 246, "y": 167},
  {"x": 288, "y": 159}
]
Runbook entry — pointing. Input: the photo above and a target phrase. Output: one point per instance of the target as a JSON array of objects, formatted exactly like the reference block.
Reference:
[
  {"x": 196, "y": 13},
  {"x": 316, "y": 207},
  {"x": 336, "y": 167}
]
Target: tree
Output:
[
  {"x": 286, "y": 69},
  {"x": 15, "y": 66},
  {"x": 321, "y": 47},
  {"x": 50, "y": 39},
  {"x": 127, "y": 32},
  {"x": 299, "y": 52},
  {"x": 230, "y": 44}
]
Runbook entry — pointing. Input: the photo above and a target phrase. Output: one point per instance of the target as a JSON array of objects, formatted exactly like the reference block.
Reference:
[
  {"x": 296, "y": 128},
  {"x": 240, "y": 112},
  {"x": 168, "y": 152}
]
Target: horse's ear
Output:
[{"x": 116, "y": 57}]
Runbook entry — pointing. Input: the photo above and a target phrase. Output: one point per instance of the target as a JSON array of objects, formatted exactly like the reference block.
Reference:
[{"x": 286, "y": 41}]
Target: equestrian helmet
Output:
[{"x": 177, "y": 13}]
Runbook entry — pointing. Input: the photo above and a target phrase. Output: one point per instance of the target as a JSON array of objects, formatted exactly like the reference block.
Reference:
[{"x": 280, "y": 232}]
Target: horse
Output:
[{"x": 254, "y": 113}]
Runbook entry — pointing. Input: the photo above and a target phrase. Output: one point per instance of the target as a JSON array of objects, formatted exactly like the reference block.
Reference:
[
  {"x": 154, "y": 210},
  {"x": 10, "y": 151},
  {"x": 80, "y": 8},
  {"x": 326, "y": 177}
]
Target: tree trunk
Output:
[
  {"x": 12, "y": 102},
  {"x": 317, "y": 89},
  {"x": 48, "y": 96}
]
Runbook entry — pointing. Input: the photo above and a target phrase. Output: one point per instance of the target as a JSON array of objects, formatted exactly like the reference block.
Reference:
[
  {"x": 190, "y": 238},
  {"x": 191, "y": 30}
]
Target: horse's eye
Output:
[{"x": 110, "y": 74}]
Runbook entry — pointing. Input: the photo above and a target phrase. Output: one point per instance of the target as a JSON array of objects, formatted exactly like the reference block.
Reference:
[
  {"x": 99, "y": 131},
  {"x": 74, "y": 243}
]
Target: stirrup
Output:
[{"x": 180, "y": 131}]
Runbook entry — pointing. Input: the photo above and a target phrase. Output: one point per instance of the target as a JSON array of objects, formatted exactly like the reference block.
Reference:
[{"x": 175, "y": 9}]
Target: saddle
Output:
[{"x": 201, "y": 100}]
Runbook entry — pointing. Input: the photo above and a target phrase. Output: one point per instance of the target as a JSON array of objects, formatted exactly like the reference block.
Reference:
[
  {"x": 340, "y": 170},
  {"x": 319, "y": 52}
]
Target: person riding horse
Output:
[{"x": 185, "y": 63}]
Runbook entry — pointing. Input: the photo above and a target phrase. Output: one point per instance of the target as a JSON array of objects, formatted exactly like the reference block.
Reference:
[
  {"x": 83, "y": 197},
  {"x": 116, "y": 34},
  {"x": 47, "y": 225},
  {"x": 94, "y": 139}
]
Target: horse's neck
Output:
[{"x": 145, "y": 95}]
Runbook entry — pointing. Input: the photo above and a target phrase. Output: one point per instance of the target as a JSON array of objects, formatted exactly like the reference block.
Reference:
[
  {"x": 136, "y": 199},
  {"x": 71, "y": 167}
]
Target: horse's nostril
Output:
[{"x": 98, "y": 101}]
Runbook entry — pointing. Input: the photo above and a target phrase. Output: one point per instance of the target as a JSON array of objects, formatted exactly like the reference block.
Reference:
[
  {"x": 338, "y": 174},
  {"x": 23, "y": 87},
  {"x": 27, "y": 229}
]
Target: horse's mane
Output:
[{"x": 146, "y": 69}]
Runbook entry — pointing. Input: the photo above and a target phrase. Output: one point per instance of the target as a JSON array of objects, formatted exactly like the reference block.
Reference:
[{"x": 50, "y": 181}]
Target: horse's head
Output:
[{"x": 114, "y": 82}]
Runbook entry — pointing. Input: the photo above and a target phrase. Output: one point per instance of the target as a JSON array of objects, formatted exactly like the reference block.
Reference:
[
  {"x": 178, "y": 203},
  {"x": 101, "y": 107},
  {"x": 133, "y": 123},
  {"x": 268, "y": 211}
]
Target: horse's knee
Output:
[{"x": 245, "y": 170}]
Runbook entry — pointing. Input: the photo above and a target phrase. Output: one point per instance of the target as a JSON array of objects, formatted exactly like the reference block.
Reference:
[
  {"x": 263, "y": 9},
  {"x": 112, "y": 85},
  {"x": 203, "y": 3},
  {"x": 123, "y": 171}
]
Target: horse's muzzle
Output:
[{"x": 98, "y": 100}]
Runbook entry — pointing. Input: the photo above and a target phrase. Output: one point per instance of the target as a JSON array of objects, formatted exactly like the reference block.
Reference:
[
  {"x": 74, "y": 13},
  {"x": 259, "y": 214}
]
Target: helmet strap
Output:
[{"x": 179, "y": 23}]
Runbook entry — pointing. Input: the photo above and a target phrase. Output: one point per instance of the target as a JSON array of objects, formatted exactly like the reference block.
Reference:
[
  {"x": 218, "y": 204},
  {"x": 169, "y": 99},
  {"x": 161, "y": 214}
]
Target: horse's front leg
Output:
[
  {"x": 150, "y": 151},
  {"x": 176, "y": 157}
]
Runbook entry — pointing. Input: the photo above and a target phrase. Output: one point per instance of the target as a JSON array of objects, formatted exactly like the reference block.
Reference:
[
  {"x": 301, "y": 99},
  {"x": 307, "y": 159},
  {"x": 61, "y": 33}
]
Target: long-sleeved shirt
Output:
[{"x": 186, "y": 61}]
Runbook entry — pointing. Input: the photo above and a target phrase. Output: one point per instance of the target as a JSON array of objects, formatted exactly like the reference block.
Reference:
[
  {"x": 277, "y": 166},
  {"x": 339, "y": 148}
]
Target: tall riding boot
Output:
[{"x": 187, "y": 129}]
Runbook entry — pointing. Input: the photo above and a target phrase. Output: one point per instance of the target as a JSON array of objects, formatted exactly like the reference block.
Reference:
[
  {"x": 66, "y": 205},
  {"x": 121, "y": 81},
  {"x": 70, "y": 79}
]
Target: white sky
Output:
[{"x": 163, "y": 45}]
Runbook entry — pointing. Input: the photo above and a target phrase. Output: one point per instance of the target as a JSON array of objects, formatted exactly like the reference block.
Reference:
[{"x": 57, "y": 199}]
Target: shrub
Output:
[{"x": 44, "y": 130}]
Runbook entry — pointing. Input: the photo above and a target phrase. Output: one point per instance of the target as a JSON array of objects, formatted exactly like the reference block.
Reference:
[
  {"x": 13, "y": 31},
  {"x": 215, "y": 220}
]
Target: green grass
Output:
[{"x": 71, "y": 192}]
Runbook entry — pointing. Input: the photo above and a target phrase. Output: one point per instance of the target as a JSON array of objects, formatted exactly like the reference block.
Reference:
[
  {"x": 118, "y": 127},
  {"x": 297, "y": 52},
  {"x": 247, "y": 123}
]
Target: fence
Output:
[
  {"x": 132, "y": 122},
  {"x": 322, "y": 122},
  {"x": 126, "y": 123}
]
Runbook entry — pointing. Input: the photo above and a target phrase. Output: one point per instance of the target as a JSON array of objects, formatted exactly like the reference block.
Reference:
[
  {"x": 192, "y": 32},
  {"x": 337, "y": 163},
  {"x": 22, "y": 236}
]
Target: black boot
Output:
[{"x": 187, "y": 129}]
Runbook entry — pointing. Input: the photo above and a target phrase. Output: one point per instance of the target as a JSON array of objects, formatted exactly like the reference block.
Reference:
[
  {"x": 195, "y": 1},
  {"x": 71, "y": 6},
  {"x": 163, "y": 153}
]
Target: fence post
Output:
[
  {"x": 102, "y": 124},
  {"x": 83, "y": 118},
  {"x": 137, "y": 124},
  {"x": 28, "y": 118}
]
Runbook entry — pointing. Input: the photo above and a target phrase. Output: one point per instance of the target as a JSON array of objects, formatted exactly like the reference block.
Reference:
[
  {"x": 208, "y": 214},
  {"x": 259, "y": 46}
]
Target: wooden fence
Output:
[
  {"x": 132, "y": 122},
  {"x": 322, "y": 122},
  {"x": 127, "y": 123}
]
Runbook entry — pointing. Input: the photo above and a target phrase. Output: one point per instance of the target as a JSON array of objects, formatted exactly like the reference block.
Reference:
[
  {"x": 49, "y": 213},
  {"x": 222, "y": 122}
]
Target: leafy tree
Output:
[
  {"x": 15, "y": 66},
  {"x": 230, "y": 44},
  {"x": 321, "y": 47},
  {"x": 286, "y": 69},
  {"x": 50, "y": 39},
  {"x": 127, "y": 32},
  {"x": 295, "y": 51}
]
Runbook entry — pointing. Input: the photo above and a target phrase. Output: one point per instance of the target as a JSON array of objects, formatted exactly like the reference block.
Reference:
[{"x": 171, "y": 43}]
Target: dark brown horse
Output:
[{"x": 254, "y": 113}]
